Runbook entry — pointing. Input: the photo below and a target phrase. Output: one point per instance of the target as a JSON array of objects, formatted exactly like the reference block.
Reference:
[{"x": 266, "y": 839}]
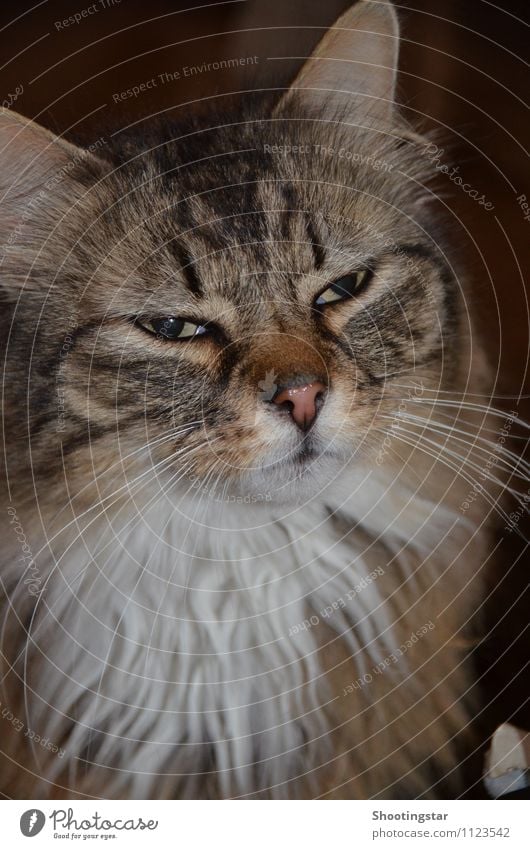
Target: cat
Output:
[{"x": 244, "y": 541}]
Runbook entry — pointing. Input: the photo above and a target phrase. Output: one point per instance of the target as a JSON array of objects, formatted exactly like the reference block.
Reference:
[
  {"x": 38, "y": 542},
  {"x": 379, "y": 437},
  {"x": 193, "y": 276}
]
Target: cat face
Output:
[{"x": 236, "y": 305}]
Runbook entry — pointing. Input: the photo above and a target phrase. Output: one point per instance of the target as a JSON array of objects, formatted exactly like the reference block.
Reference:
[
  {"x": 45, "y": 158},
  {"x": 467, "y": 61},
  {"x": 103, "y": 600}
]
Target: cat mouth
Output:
[{"x": 307, "y": 452}]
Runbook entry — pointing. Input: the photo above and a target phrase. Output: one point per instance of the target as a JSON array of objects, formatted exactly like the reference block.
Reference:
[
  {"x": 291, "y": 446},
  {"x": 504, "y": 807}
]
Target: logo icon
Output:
[
  {"x": 32, "y": 822},
  {"x": 268, "y": 386}
]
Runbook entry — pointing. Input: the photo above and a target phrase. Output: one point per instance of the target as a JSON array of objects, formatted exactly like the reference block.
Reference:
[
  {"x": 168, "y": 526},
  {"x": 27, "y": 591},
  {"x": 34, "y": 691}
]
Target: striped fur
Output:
[{"x": 194, "y": 628}]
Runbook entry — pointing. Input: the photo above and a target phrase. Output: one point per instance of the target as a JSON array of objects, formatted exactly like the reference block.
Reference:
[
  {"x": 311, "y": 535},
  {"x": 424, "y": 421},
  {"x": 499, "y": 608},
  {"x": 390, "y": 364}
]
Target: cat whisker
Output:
[
  {"x": 452, "y": 417},
  {"x": 138, "y": 451},
  {"x": 124, "y": 487},
  {"x": 141, "y": 573},
  {"x": 465, "y": 460},
  {"x": 155, "y": 617},
  {"x": 466, "y": 393},
  {"x": 416, "y": 442},
  {"x": 31, "y": 634},
  {"x": 130, "y": 526},
  {"x": 56, "y": 566},
  {"x": 503, "y": 455},
  {"x": 488, "y": 410}
]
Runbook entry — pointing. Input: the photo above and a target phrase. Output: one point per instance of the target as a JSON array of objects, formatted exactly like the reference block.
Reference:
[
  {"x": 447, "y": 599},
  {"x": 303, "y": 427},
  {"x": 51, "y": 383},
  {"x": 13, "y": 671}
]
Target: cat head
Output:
[{"x": 238, "y": 302}]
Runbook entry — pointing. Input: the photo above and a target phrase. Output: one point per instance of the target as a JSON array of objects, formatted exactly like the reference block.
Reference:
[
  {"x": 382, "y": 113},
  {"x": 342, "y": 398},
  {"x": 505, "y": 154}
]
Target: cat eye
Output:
[
  {"x": 344, "y": 288},
  {"x": 172, "y": 328}
]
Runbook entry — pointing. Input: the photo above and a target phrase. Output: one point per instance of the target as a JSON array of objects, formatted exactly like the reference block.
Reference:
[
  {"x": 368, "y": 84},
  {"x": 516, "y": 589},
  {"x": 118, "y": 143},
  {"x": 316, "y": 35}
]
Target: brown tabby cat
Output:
[{"x": 242, "y": 538}]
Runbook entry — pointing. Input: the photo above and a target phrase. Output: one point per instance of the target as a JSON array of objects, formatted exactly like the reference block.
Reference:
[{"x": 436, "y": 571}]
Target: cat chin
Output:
[
  {"x": 290, "y": 482},
  {"x": 276, "y": 485}
]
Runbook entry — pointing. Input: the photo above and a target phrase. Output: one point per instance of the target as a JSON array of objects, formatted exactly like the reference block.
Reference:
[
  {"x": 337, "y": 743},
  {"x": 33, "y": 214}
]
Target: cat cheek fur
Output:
[{"x": 200, "y": 634}]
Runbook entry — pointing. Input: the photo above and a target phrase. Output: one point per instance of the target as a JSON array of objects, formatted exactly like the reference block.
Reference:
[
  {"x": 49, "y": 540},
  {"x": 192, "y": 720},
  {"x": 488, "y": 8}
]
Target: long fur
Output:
[{"x": 189, "y": 611}]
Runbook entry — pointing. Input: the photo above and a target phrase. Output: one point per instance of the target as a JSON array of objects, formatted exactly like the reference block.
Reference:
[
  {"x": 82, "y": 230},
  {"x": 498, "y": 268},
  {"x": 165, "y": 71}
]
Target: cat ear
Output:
[
  {"x": 354, "y": 67},
  {"x": 29, "y": 153},
  {"x": 38, "y": 188},
  {"x": 34, "y": 168}
]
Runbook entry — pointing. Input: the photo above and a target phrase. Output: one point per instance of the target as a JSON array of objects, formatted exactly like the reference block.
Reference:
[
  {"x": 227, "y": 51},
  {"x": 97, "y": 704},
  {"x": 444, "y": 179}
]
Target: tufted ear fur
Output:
[
  {"x": 36, "y": 177},
  {"x": 354, "y": 67}
]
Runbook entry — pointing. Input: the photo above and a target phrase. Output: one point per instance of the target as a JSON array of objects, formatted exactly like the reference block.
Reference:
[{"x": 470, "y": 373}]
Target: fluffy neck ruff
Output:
[{"x": 208, "y": 649}]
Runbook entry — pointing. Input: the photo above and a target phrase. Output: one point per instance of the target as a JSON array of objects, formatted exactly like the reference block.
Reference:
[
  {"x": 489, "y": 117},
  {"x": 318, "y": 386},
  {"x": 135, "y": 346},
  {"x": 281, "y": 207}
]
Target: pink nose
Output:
[{"x": 302, "y": 402}]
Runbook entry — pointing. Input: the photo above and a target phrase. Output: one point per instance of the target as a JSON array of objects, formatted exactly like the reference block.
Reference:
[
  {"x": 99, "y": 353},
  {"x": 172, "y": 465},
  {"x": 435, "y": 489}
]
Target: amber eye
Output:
[
  {"x": 171, "y": 327},
  {"x": 344, "y": 288}
]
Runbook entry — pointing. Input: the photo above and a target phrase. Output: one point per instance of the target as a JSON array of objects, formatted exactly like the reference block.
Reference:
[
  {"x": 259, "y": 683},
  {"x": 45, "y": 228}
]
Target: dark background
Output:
[{"x": 464, "y": 72}]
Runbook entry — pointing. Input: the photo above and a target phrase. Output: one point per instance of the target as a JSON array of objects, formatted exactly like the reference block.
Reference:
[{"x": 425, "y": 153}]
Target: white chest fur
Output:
[{"x": 181, "y": 649}]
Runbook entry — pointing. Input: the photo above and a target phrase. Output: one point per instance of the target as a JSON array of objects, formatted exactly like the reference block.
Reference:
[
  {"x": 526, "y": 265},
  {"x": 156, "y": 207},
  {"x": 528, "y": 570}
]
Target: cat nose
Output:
[{"x": 303, "y": 402}]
